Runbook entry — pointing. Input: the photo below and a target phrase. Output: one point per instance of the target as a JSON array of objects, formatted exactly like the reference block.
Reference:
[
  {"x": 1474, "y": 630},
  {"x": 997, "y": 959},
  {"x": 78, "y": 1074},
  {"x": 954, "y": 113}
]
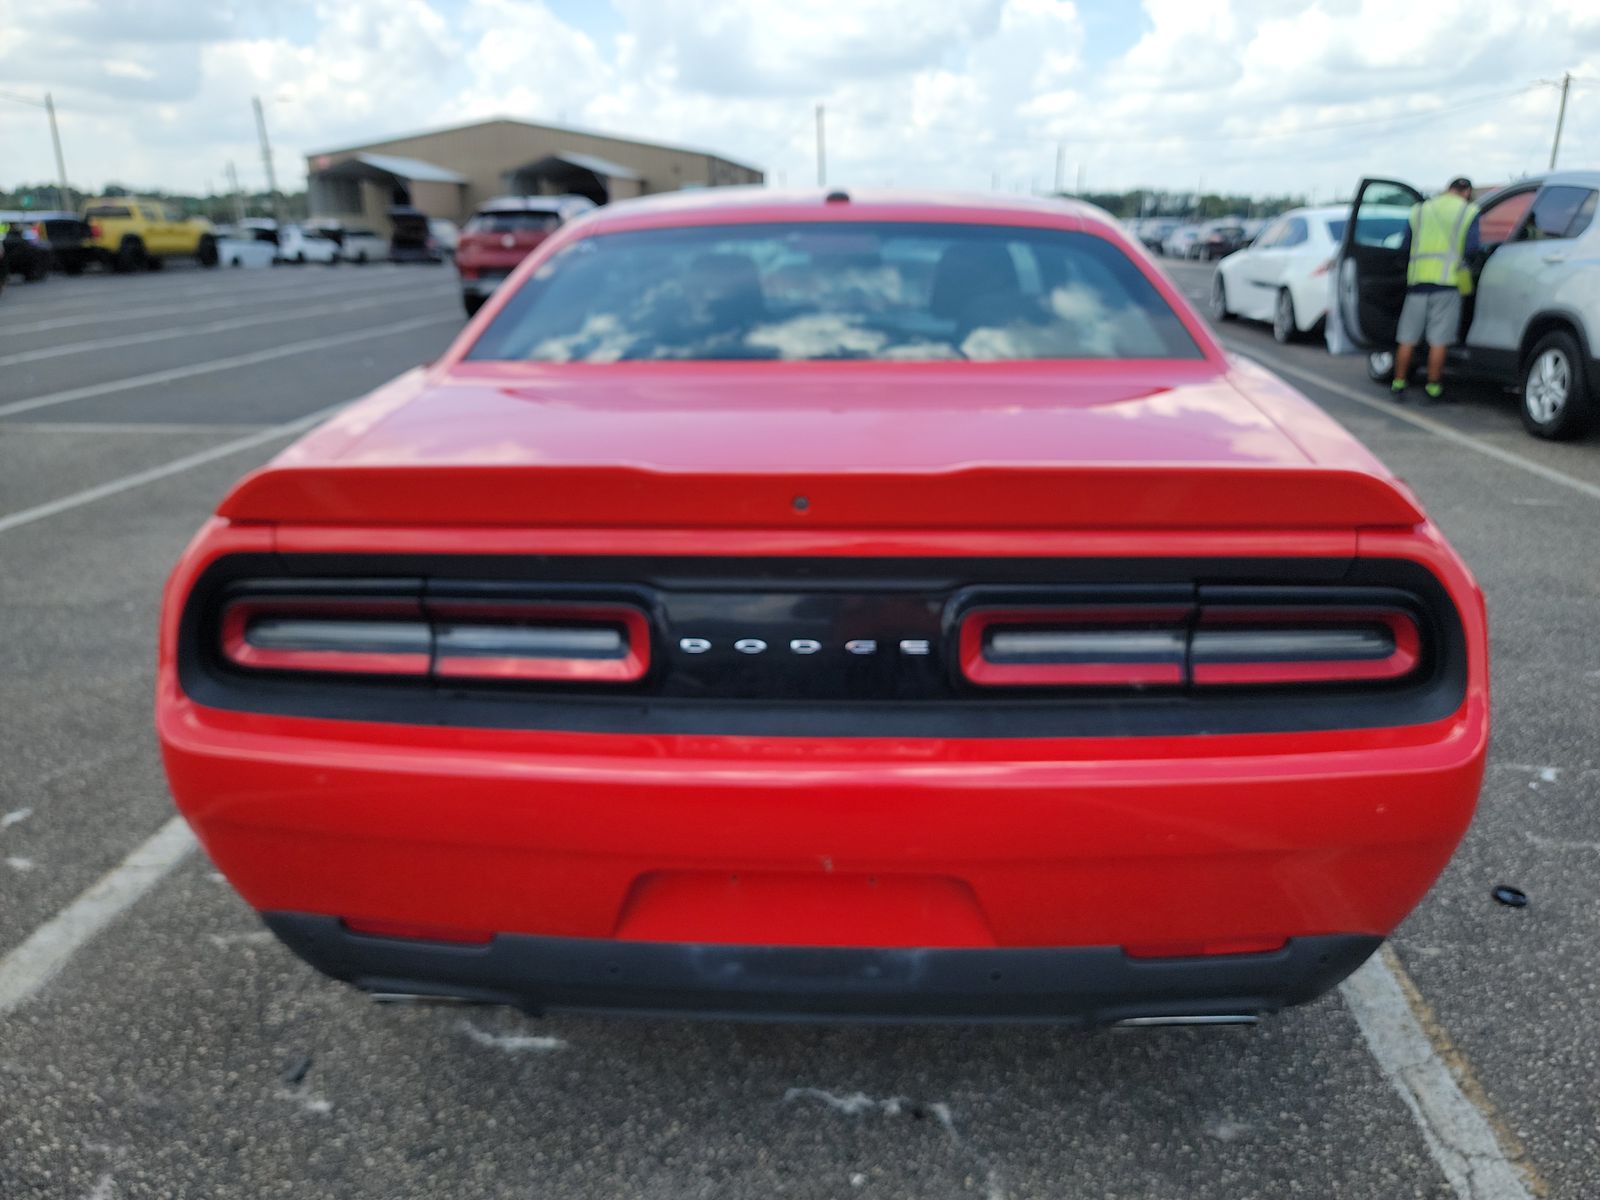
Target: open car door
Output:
[{"x": 1373, "y": 260}]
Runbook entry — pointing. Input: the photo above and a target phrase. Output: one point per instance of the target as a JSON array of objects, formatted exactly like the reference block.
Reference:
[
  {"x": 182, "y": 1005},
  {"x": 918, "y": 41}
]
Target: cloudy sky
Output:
[{"x": 1242, "y": 95}]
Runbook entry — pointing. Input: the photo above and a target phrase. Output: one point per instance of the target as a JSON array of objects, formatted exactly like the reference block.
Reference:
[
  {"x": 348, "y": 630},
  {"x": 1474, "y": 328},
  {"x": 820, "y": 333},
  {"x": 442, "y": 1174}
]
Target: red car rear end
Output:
[
  {"x": 501, "y": 234},
  {"x": 820, "y": 669}
]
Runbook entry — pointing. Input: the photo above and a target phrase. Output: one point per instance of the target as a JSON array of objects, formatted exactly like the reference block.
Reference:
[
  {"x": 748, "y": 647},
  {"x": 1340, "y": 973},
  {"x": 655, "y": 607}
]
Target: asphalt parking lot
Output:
[{"x": 182, "y": 1053}]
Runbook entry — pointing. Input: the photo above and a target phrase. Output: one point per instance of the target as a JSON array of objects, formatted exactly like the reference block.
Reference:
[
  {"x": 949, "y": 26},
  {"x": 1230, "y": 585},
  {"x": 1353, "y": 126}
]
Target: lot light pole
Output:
[
  {"x": 1561, "y": 118},
  {"x": 822, "y": 153},
  {"x": 49, "y": 106},
  {"x": 266, "y": 160}
]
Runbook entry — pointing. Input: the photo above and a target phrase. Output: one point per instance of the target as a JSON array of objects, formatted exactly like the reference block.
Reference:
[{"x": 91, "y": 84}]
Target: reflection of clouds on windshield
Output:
[
  {"x": 1081, "y": 325},
  {"x": 601, "y": 339},
  {"x": 834, "y": 335}
]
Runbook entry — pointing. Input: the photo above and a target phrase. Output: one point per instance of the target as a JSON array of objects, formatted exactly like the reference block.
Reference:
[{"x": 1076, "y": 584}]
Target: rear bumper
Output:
[
  {"x": 1089, "y": 985},
  {"x": 484, "y": 284}
]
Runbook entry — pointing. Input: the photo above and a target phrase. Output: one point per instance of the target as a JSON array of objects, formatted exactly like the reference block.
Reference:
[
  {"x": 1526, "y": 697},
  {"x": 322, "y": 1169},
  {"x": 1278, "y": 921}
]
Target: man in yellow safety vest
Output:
[{"x": 1441, "y": 233}]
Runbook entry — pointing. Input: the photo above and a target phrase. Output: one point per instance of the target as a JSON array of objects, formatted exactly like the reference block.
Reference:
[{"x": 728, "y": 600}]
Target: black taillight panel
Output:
[{"x": 828, "y": 647}]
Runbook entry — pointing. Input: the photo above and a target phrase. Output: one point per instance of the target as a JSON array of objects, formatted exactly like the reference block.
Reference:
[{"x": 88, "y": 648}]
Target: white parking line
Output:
[
  {"x": 114, "y": 310},
  {"x": 31, "y": 965},
  {"x": 183, "y": 331},
  {"x": 159, "y": 428},
  {"x": 90, "y": 291},
  {"x": 1458, "y": 1134},
  {"x": 223, "y": 364},
  {"x": 1437, "y": 428},
  {"x": 177, "y": 466}
]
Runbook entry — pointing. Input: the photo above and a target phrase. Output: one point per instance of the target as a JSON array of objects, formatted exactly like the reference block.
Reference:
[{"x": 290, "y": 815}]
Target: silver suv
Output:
[{"x": 1535, "y": 312}]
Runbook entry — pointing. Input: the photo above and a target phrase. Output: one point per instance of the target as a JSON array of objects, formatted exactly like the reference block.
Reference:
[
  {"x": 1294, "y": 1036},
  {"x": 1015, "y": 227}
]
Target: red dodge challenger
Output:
[{"x": 830, "y": 606}]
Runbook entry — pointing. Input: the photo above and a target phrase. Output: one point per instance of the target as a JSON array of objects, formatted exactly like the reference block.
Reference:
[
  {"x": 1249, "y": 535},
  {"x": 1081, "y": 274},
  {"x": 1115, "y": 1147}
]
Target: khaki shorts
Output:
[{"x": 1437, "y": 314}]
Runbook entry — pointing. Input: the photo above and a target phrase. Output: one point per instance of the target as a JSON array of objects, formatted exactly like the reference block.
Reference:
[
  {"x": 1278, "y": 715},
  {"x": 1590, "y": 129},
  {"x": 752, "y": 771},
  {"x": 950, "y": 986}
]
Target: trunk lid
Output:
[{"x": 875, "y": 445}]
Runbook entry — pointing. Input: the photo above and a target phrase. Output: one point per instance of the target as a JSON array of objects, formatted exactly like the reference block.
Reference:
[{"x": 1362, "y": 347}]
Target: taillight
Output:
[
  {"x": 1297, "y": 645},
  {"x": 1324, "y": 267},
  {"x": 344, "y": 637},
  {"x": 1131, "y": 646},
  {"x": 441, "y": 639},
  {"x": 94, "y": 229},
  {"x": 1208, "y": 645},
  {"x": 590, "y": 643}
]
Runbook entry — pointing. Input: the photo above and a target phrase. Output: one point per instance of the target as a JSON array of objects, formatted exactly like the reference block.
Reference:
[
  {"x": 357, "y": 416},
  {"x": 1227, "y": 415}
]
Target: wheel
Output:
[
  {"x": 39, "y": 271},
  {"x": 1219, "y": 299},
  {"x": 1380, "y": 366},
  {"x": 1555, "y": 389},
  {"x": 130, "y": 256},
  {"x": 361, "y": 256},
  {"x": 152, "y": 263},
  {"x": 206, "y": 252},
  {"x": 472, "y": 304},
  {"x": 1284, "y": 327},
  {"x": 300, "y": 258}
]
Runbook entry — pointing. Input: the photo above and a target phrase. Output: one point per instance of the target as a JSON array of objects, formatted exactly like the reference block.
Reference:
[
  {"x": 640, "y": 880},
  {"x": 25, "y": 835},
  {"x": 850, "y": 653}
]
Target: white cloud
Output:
[{"x": 1255, "y": 95}]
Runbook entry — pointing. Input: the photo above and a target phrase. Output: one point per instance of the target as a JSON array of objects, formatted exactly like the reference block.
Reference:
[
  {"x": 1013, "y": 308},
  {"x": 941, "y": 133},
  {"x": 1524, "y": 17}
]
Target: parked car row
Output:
[
  {"x": 128, "y": 233},
  {"x": 1531, "y": 321},
  {"x": 1206, "y": 240}
]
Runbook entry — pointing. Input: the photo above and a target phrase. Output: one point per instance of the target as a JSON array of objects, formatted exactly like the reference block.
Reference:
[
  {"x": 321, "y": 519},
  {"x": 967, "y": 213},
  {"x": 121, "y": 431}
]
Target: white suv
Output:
[{"x": 1531, "y": 318}]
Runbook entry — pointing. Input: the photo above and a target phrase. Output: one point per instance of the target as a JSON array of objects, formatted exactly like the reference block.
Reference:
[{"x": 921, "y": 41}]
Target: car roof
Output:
[
  {"x": 527, "y": 203},
  {"x": 746, "y": 205},
  {"x": 1580, "y": 178}
]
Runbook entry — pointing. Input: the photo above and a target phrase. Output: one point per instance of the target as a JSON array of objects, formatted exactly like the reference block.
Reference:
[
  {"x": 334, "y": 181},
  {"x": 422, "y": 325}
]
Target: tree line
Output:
[{"x": 45, "y": 197}]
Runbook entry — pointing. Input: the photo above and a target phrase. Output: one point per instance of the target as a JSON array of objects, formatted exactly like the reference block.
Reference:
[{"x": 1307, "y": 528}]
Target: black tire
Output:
[
  {"x": 1219, "y": 300},
  {"x": 73, "y": 266},
  {"x": 152, "y": 263},
  {"x": 1380, "y": 366},
  {"x": 130, "y": 256},
  {"x": 206, "y": 252},
  {"x": 1285, "y": 329},
  {"x": 1556, "y": 401},
  {"x": 472, "y": 304},
  {"x": 361, "y": 257},
  {"x": 300, "y": 258},
  {"x": 39, "y": 272}
]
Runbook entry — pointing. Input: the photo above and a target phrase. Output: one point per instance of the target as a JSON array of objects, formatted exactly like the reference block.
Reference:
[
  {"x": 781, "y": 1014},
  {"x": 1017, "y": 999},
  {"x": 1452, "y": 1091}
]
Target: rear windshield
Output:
[
  {"x": 513, "y": 222},
  {"x": 810, "y": 291},
  {"x": 108, "y": 211}
]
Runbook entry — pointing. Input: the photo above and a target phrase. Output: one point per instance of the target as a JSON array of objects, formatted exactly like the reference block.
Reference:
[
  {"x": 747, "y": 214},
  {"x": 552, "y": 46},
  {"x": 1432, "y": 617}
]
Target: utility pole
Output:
[
  {"x": 1061, "y": 167},
  {"x": 266, "y": 159},
  {"x": 1561, "y": 118},
  {"x": 233, "y": 186},
  {"x": 49, "y": 107},
  {"x": 822, "y": 153},
  {"x": 61, "y": 163}
]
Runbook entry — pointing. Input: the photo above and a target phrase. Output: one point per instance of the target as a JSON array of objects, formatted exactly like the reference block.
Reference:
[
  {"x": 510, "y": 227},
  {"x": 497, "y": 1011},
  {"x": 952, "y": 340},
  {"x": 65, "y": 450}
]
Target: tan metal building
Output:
[{"x": 449, "y": 172}]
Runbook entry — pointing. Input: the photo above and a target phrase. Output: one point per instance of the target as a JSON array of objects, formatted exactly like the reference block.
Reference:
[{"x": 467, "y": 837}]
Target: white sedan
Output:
[
  {"x": 300, "y": 245},
  {"x": 1282, "y": 276}
]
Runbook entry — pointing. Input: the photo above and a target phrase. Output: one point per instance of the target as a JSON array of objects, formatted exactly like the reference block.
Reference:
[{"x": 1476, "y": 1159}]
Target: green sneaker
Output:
[
  {"x": 1435, "y": 391},
  {"x": 1398, "y": 386}
]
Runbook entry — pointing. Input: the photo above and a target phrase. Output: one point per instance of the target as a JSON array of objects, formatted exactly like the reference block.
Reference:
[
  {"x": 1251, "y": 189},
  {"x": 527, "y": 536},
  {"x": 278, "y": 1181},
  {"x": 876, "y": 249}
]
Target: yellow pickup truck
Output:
[{"x": 131, "y": 233}]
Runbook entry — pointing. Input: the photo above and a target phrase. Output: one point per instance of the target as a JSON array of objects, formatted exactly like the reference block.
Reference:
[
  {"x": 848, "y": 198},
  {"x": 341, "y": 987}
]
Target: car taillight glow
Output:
[
  {"x": 443, "y": 639},
  {"x": 1204, "y": 646}
]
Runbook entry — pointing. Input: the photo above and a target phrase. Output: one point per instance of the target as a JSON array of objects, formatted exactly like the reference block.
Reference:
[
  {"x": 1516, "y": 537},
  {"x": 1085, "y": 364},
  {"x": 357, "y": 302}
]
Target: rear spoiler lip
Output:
[{"x": 1096, "y": 496}]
